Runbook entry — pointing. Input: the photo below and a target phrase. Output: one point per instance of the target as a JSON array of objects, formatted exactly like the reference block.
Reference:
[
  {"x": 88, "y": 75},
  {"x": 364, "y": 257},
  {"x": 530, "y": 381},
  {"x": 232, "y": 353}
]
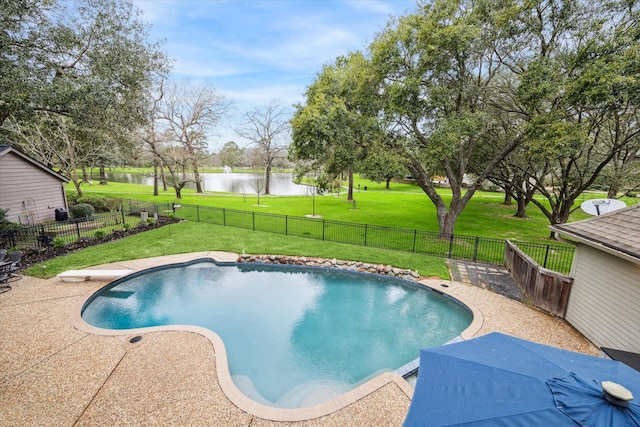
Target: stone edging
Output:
[{"x": 362, "y": 267}]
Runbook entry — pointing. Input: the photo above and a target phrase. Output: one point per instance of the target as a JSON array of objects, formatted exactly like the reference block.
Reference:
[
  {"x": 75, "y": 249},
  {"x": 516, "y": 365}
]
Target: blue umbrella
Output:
[{"x": 501, "y": 380}]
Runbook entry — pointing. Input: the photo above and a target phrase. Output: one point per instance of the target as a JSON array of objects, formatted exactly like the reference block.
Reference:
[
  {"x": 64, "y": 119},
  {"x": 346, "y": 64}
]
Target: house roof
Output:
[
  {"x": 6, "y": 149},
  {"x": 616, "y": 232}
]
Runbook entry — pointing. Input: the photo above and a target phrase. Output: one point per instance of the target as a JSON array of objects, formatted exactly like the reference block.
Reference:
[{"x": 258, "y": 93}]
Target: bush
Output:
[
  {"x": 99, "y": 234},
  {"x": 72, "y": 198},
  {"x": 58, "y": 243},
  {"x": 100, "y": 203},
  {"x": 126, "y": 226},
  {"x": 82, "y": 210}
]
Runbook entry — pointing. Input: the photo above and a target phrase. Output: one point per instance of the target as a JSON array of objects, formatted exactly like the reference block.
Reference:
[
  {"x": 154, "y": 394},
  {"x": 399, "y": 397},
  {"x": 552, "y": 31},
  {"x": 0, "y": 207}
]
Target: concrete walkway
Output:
[{"x": 52, "y": 373}]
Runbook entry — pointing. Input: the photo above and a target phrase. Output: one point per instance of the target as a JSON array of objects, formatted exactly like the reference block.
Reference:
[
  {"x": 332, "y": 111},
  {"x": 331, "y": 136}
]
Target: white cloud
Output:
[{"x": 256, "y": 51}]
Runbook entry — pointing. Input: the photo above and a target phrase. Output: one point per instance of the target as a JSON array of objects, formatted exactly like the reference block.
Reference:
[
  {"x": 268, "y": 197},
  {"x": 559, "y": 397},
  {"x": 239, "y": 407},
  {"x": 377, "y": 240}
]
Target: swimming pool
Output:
[{"x": 294, "y": 336}]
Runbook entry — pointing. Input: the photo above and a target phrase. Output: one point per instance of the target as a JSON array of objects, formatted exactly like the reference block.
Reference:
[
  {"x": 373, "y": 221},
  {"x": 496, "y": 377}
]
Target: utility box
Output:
[{"x": 61, "y": 214}]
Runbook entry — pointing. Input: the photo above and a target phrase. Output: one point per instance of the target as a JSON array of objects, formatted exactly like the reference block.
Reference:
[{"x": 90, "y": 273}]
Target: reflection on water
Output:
[{"x": 281, "y": 183}]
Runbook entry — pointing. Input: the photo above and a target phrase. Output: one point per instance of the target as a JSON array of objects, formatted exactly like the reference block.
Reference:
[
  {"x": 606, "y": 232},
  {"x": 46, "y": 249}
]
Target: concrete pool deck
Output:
[{"x": 53, "y": 373}]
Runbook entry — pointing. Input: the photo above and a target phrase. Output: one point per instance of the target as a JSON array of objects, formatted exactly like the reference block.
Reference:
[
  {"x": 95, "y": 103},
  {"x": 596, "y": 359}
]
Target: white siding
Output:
[
  {"x": 24, "y": 184},
  {"x": 603, "y": 304}
]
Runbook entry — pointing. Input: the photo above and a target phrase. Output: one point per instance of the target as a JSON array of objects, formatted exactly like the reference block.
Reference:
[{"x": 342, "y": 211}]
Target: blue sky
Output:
[{"x": 256, "y": 51}]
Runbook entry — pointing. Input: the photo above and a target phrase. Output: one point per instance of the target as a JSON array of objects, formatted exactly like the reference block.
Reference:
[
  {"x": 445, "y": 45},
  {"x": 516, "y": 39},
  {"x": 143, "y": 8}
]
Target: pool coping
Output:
[{"x": 222, "y": 368}]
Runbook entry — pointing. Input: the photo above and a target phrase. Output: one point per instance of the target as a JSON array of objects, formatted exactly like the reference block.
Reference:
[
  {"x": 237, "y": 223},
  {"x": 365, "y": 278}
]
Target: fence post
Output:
[
  {"x": 450, "y": 245},
  {"x": 546, "y": 255},
  {"x": 323, "y": 228},
  {"x": 253, "y": 220},
  {"x": 286, "y": 225},
  {"x": 475, "y": 250},
  {"x": 415, "y": 234},
  {"x": 78, "y": 229},
  {"x": 198, "y": 212},
  {"x": 122, "y": 213},
  {"x": 365, "y": 233}
]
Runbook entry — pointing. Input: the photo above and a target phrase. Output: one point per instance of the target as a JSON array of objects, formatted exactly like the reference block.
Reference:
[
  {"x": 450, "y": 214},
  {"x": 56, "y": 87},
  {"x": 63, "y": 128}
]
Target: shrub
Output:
[
  {"x": 72, "y": 198},
  {"x": 82, "y": 210},
  {"x": 58, "y": 242},
  {"x": 126, "y": 226},
  {"x": 99, "y": 234},
  {"x": 99, "y": 203}
]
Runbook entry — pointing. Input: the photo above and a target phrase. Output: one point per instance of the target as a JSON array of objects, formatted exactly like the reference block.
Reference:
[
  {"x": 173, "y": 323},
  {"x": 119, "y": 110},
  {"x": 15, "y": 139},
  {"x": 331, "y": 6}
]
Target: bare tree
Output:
[
  {"x": 267, "y": 127},
  {"x": 51, "y": 139},
  {"x": 190, "y": 113},
  {"x": 177, "y": 162},
  {"x": 257, "y": 177}
]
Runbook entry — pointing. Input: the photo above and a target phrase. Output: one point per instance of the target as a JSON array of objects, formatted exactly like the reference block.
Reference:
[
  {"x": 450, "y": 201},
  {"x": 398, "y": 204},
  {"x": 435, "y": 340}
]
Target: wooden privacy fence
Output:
[{"x": 546, "y": 289}]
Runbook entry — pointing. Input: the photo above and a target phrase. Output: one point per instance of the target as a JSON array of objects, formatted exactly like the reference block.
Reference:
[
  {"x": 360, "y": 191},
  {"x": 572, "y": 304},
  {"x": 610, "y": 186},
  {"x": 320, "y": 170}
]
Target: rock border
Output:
[{"x": 362, "y": 267}]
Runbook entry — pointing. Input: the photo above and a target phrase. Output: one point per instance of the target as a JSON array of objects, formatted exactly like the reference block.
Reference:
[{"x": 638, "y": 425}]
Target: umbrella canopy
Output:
[{"x": 501, "y": 380}]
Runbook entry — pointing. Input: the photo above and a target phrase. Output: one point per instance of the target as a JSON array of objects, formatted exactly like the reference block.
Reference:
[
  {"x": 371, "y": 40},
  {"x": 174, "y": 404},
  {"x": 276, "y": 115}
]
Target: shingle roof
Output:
[{"x": 618, "y": 230}]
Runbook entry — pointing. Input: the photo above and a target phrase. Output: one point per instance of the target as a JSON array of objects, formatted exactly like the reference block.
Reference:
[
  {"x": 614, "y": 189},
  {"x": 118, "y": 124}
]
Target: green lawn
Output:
[
  {"x": 404, "y": 205},
  {"x": 188, "y": 236}
]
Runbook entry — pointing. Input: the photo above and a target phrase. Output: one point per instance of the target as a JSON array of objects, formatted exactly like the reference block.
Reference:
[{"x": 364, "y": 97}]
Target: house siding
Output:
[
  {"x": 23, "y": 183},
  {"x": 603, "y": 304}
]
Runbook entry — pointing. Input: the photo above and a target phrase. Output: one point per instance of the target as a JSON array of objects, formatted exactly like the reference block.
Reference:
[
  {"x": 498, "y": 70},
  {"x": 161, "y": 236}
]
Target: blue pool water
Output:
[{"x": 294, "y": 336}]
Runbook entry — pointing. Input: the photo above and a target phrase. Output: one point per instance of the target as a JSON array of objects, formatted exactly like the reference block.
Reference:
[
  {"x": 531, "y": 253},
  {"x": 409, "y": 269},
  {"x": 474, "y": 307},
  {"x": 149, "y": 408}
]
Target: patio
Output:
[{"x": 52, "y": 373}]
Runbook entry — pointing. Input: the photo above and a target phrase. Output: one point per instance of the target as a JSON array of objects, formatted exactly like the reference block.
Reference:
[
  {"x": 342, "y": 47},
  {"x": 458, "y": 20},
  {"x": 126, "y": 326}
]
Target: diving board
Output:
[{"x": 82, "y": 275}]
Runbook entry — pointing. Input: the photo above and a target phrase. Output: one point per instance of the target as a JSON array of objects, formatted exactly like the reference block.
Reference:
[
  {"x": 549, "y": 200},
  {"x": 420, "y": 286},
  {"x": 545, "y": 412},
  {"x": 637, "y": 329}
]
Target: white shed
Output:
[
  {"x": 604, "y": 304},
  {"x": 29, "y": 191}
]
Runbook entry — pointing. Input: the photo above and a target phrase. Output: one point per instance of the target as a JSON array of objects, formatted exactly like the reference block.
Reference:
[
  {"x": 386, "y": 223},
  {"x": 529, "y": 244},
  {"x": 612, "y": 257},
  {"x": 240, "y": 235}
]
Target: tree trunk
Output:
[
  {"x": 350, "y": 188},
  {"x": 76, "y": 184},
  {"x": 387, "y": 186},
  {"x": 508, "y": 197},
  {"x": 163, "y": 178},
  {"x": 103, "y": 176},
  {"x": 522, "y": 207},
  {"x": 178, "y": 192},
  {"x": 84, "y": 174},
  {"x": 267, "y": 179},
  {"x": 155, "y": 177},
  {"x": 446, "y": 222},
  {"x": 196, "y": 175}
]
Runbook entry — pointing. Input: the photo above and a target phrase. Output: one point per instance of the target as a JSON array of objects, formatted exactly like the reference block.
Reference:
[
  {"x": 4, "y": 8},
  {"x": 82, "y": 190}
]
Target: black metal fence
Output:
[
  {"x": 477, "y": 249},
  {"x": 473, "y": 248},
  {"x": 61, "y": 233}
]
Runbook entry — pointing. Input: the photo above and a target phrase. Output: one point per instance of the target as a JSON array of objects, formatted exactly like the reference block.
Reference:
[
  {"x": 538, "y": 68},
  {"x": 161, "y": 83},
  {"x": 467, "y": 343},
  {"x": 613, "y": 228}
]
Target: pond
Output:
[{"x": 281, "y": 183}]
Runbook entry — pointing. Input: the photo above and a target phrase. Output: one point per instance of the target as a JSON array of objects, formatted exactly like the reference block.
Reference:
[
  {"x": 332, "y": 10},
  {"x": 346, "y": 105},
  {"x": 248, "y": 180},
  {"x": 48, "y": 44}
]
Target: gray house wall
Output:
[
  {"x": 603, "y": 304},
  {"x": 29, "y": 192}
]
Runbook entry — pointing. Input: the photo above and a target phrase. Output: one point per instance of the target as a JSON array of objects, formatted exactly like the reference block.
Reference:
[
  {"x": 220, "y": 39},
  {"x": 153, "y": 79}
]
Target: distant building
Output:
[
  {"x": 29, "y": 191},
  {"x": 604, "y": 304}
]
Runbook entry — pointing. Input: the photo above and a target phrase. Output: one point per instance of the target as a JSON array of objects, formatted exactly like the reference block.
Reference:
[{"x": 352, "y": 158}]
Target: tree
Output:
[
  {"x": 257, "y": 180},
  {"x": 52, "y": 140},
  {"x": 578, "y": 86},
  {"x": 437, "y": 70},
  {"x": 338, "y": 125},
  {"x": 189, "y": 114},
  {"x": 267, "y": 127},
  {"x": 87, "y": 66},
  {"x": 230, "y": 155},
  {"x": 383, "y": 165}
]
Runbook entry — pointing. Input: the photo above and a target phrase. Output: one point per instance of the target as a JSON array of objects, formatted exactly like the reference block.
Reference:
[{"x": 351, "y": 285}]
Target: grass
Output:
[
  {"x": 194, "y": 237},
  {"x": 404, "y": 205}
]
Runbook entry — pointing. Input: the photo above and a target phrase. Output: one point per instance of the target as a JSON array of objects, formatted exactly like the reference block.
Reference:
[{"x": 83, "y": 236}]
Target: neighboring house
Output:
[
  {"x": 29, "y": 191},
  {"x": 604, "y": 304}
]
